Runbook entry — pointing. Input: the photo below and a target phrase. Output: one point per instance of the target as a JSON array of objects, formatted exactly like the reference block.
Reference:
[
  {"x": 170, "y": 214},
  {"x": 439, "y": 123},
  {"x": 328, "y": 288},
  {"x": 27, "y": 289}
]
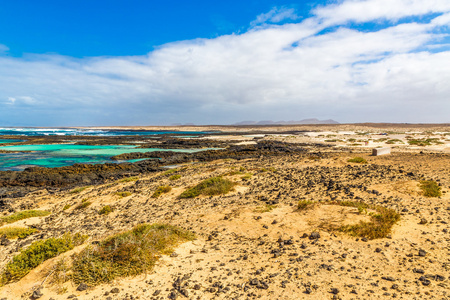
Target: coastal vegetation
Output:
[
  {"x": 37, "y": 253},
  {"x": 127, "y": 254},
  {"x": 430, "y": 188},
  {"x": 21, "y": 215},
  {"x": 161, "y": 190},
  {"x": 16, "y": 232},
  {"x": 358, "y": 160},
  {"x": 209, "y": 187}
]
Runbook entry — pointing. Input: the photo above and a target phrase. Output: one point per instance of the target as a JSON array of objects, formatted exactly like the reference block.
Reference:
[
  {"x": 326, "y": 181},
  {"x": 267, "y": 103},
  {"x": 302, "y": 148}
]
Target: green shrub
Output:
[
  {"x": 170, "y": 171},
  {"x": 66, "y": 207},
  {"x": 105, "y": 210},
  {"x": 16, "y": 232},
  {"x": 83, "y": 205},
  {"x": 305, "y": 204},
  {"x": 161, "y": 190},
  {"x": 123, "y": 194},
  {"x": 129, "y": 179},
  {"x": 127, "y": 254},
  {"x": 247, "y": 176},
  {"x": 25, "y": 214},
  {"x": 430, "y": 188},
  {"x": 174, "y": 177},
  {"x": 358, "y": 160},
  {"x": 265, "y": 208},
  {"x": 78, "y": 190},
  {"x": 37, "y": 253},
  {"x": 380, "y": 225},
  {"x": 209, "y": 187}
]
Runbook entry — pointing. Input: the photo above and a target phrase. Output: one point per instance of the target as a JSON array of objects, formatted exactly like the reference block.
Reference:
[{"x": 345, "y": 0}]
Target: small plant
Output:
[
  {"x": 37, "y": 253},
  {"x": 379, "y": 227},
  {"x": 83, "y": 205},
  {"x": 78, "y": 190},
  {"x": 394, "y": 141},
  {"x": 175, "y": 177},
  {"x": 16, "y": 232},
  {"x": 127, "y": 254},
  {"x": 265, "y": 208},
  {"x": 209, "y": 187},
  {"x": 23, "y": 215},
  {"x": 170, "y": 171},
  {"x": 105, "y": 210},
  {"x": 66, "y": 207},
  {"x": 358, "y": 160},
  {"x": 305, "y": 204},
  {"x": 129, "y": 179},
  {"x": 123, "y": 194},
  {"x": 161, "y": 190},
  {"x": 247, "y": 176},
  {"x": 430, "y": 188}
]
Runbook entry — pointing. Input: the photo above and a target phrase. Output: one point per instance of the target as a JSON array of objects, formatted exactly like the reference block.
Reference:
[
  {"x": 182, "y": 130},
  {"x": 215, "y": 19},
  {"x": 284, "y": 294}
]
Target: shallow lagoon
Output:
[{"x": 59, "y": 155}]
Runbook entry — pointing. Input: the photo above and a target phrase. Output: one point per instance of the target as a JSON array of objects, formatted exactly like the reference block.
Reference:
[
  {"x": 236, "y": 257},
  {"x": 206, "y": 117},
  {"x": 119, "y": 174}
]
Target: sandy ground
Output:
[{"x": 246, "y": 249}]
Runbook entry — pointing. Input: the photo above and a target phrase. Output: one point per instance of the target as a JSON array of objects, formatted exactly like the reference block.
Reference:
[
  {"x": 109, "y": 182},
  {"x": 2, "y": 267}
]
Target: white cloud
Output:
[
  {"x": 276, "y": 15},
  {"x": 287, "y": 71}
]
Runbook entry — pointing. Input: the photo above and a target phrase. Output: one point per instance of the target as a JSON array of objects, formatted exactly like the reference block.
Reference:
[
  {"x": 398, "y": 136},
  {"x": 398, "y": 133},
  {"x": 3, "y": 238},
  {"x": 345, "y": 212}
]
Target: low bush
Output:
[
  {"x": 123, "y": 194},
  {"x": 16, "y": 232},
  {"x": 380, "y": 225},
  {"x": 161, "y": 190},
  {"x": 129, "y": 179},
  {"x": 105, "y": 210},
  {"x": 78, "y": 190},
  {"x": 175, "y": 177},
  {"x": 127, "y": 254},
  {"x": 209, "y": 187},
  {"x": 37, "y": 253},
  {"x": 359, "y": 160},
  {"x": 430, "y": 188},
  {"x": 25, "y": 214},
  {"x": 83, "y": 205},
  {"x": 305, "y": 204}
]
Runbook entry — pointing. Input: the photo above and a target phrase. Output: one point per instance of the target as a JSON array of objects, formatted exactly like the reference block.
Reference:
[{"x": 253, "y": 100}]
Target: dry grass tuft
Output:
[
  {"x": 161, "y": 190},
  {"x": 209, "y": 187},
  {"x": 127, "y": 254},
  {"x": 16, "y": 232},
  {"x": 430, "y": 189},
  {"x": 21, "y": 215}
]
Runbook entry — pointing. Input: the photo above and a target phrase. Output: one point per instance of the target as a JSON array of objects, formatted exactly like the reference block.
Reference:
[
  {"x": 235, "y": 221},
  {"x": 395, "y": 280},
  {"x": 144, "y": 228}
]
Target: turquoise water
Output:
[
  {"x": 2, "y": 141},
  {"x": 67, "y": 154}
]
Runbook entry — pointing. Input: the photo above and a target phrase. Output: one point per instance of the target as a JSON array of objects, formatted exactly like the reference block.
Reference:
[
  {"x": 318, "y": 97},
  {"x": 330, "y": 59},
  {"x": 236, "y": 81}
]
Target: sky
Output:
[{"x": 154, "y": 62}]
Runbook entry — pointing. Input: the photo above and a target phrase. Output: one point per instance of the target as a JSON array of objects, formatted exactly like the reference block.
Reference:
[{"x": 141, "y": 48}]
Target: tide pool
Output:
[
  {"x": 59, "y": 155},
  {"x": 5, "y": 141}
]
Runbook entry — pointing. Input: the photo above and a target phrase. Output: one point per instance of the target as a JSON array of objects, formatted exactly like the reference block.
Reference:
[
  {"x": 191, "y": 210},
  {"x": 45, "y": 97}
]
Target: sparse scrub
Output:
[
  {"x": 209, "y": 187},
  {"x": 66, "y": 207},
  {"x": 359, "y": 160},
  {"x": 175, "y": 177},
  {"x": 380, "y": 225},
  {"x": 161, "y": 190},
  {"x": 83, "y": 205},
  {"x": 129, "y": 179},
  {"x": 394, "y": 141},
  {"x": 305, "y": 204},
  {"x": 127, "y": 254},
  {"x": 23, "y": 215},
  {"x": 247, "y": 176},
  {"x": 430, "y": 188},
  {"x": 105, "y": 210},
  {"x": 170, "y": 171},
  {"x": 16, "y": 232},
  {"x": 37, "y": 253},
  {"x": 123, "y": 194},
  {"x": 265, "y": 208},
  {"x": 78, "y": 190},
  {"x": 424, "y": 142}
]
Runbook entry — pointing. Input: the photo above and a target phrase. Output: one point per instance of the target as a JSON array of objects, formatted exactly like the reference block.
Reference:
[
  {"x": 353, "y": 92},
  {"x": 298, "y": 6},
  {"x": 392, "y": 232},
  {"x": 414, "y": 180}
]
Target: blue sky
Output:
[{"x": 148, "y": 62}]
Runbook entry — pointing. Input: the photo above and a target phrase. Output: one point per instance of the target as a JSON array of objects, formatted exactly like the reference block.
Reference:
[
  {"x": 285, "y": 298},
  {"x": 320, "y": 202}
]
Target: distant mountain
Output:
[{"x": 301, "y": 122}]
